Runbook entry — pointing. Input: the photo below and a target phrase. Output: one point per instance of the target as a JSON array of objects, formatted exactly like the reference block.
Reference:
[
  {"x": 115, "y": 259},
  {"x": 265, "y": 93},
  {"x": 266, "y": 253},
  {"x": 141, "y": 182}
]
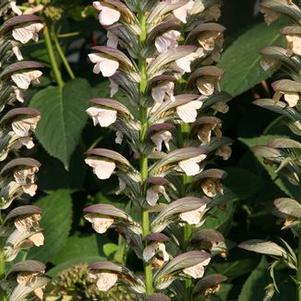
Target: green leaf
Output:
[
  {"x": 254, "y": 288},
  {"x": 63, "y": 117},
  {"x": 109, "y": 249},
  {"x": 77, "y": 247},
  {"x": 56, "y": 223},
  {"x": 241, "y": 61}
]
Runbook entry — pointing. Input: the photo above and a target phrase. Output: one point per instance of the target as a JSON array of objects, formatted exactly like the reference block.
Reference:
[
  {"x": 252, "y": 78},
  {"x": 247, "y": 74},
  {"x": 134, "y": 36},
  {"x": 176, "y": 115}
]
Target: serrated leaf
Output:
[
  {"x": 254, "y": 287},
  {"x": 241, "y": 61},
  {"x": 56, "y": 224},
  {"x": 63, "y": 117},
  {"x": 76, "y": 247}
]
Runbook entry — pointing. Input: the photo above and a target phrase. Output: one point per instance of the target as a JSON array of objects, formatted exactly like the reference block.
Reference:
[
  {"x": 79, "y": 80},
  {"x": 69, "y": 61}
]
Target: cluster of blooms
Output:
[
  {"x": 20, "y": 227},
  {"x": 283, "y": 153},
  {"x": 168, "y": 80}
]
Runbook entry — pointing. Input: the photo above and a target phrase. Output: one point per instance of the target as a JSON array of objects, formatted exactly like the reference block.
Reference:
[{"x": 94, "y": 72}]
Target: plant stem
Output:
[
  {"x": 299, "y": 269},
  {"x": 62, "y": 54},
  {"x": 143, "y": 157},
  {"x": 53, "y": 61}
]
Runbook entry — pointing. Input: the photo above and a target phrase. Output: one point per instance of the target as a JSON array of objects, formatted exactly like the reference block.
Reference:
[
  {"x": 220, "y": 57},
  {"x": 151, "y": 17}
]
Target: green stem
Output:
[
  {"x": 62, "y": 54},
  {"x": 53, "y": 61},
  {"x": 299, "y": 269}
]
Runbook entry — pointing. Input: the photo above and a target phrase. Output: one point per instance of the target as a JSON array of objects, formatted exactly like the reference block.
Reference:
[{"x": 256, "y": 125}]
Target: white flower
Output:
[
  {"x": 27, "y": 33},
  {"x": 103, "y": 169},
  {"x": 182, "y": 12},
  {"x": 103, "y": 117},
  {"x": 208, "y": 40},
  {"x": 107, "y": 15},
  {"x": 191, "y": 166},
  {"x": 113, "y": 87},
  {"x": 188, "y": 112},
  {"x": 105, "y": 280},
  {"x": 25, "y": 224},
  {"x": 212, "y": 187},
  {"x": 153, "y": 249},
  {"x": 163, "y": 92},
  {"x": 185, "y": 62},
  {"x": 99, "y": 224},
  {"x": 197, "y": 271},
  {"x": 160, "y": 138},
  {"x": 107, "y": 67},
  {"x": 112, "y": 39},
  {"x": 17, "y": 53},
  {"x": 193, "y": 217},
  {"x": 269, "y": 15},
  {"x": 24, "y": 79},
  {"x": 23, "y": 127},
  {"x": 294, "y": 43},
  {"x": 26, "y": 179},
  {"x": 26, "y": 141},
  {"x": 292, "y": 98},
  {"x": 206, "y": 86},
  {"x": 152, "y": 194},
  {"x": 119, "y": 137},
  {"x": 15, "y": 8},
  {"x": 167, "y": 41}
]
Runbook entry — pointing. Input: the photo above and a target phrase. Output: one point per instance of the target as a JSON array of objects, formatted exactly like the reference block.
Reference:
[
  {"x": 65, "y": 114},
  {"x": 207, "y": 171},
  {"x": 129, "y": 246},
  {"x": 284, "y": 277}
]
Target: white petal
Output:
[
  {"x": 30, "y": 189},
  {"x": 19, "y": 94},
  {"x": 206, "y": 87},
  {"x": 97, "y": 5},
  {"x": 112, "y": 40},
  {"x": 102, "y": 169},
  {"x": 163, "y": 92},
  {"x": 37, "y": 239},
  {"x": 15, "y": 8},
  {"x": 100, "y": 224},
  {"x": 107, "y": 67},
  {"x": 27, "y": 33},
  {"x": 17, "y": 53},
  {"x": 106, "y": 281},
  {"x": 167, "y": 41},
  {"x": 197, "y": 271},
  {"x": 193, "y": 217},
  {"x": 292, "y": 99},
  {"x": 188, "y": 112},
  {"x": 24, "y": 79},
  {"x": 152, "y": 196},
  {"x": 108, "y": 16},
  {"x": 191, "y": 166},
  {"x": 149, "y": 252},
  {"x": 185, "y": 62},
  {"x": 182, "y": 12},
  {"x": 102, "y": 116}
]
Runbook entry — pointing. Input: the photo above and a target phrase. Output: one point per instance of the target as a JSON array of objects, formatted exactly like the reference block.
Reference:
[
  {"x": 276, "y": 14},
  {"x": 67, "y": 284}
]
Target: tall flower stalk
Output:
[
  {"x": 160, "y": 57},
  {"x": 19, "y": 226},
  {"x": 283, "y": 153}
]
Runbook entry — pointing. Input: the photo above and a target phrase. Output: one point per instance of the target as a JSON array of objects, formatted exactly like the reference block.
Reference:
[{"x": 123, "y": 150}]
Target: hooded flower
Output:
[
  {"x": 197, "y": 271},
  {"x": 164, "y": 91},
  {"x": 107, "y": 67},
  {"x": 270, "y": 16},
  {"x": 104, "y": 280},
  {"x": 212, "y": 187},
  {"x": 103, "y": 169},
  {"x": 209, "y": 40},
  {"x": 24, "y": 127},
  {"x": 294, "y": 43},
  {"x": 152, "y": 194},
  {"x": 193, "y": 217},
  {"x": 24, "y": 79},
  {"x": 191, "y": 166},
  {"x": 26, "y": 179},
  {"x": 103, "y": 117},
  {"x": 208, "y": 85},
  {"x": 28, "y": 223},
  {"x": 99, "y": 224},
  {"x": 188, "y": 112},
  {"x": 168, "y": 40},
  {"x": 182, "y": 12},
  {"x": 108, "y": 15},
  {"x": 160, "y": 138},
  {"x": 224, "y": 152},
  {"x": 184, "y": 63},
  {"x": 28, "y": 32},
  {"x": 155, "y": 248}
]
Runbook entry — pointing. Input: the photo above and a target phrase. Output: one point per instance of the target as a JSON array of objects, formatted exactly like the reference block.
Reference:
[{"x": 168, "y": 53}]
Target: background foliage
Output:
[{"x": 66, "y": 185}]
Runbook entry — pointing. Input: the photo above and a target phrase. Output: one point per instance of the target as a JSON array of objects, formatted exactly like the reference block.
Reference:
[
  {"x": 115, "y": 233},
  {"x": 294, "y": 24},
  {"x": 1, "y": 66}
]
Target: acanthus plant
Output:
[
  {"x": 282, "y": 154},
  {"x": 170, "y": 94},
  {"x": 19, "y": 227}
]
